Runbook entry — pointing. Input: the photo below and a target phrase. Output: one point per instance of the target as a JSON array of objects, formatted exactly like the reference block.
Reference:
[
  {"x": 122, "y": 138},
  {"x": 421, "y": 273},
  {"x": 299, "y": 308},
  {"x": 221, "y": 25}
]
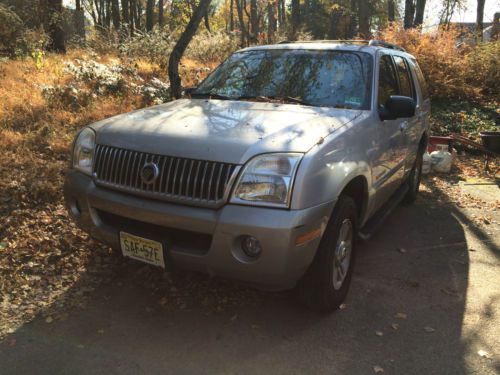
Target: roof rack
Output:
[
  {"x": 381, "y": 43},
  {"x": 374, "y": 43},
  {"x": 346, "y": 41}
]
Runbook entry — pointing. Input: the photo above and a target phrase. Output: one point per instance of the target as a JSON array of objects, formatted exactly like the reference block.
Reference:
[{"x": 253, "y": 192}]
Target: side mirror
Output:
[
  {"x": 189, "y": 90},
  {"x": 398, "y": 107}
]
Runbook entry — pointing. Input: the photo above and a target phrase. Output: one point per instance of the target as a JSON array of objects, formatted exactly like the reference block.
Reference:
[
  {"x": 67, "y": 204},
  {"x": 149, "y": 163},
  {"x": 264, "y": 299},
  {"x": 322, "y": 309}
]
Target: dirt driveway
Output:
[{"x": 424, "y": 300}]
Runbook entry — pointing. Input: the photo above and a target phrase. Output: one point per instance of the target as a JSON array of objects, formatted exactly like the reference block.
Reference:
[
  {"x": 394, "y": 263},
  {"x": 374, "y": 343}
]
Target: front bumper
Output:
[{"x": 203, "y": 239}]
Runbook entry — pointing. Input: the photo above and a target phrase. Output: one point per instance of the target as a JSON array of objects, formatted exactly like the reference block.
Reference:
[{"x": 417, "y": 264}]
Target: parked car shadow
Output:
[{"x": 404, "y": 313}]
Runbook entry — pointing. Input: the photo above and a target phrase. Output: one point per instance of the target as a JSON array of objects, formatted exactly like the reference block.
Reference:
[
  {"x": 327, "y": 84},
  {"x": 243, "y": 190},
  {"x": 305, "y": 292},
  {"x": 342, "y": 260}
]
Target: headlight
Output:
[
  {"x": 83, "y": 151},
  {"x": 267, "y": 180}
]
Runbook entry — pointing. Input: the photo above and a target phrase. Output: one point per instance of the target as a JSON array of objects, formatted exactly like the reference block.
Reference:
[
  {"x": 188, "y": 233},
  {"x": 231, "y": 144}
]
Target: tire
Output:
[
  {"x": 414, "y": 180},
  {"x": 321, "y": 288}
]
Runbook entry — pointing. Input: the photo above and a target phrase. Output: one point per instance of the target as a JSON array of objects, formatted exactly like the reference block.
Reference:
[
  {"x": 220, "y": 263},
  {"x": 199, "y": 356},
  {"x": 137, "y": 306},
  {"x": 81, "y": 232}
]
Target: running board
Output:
[{"x": 379, "y": 217}]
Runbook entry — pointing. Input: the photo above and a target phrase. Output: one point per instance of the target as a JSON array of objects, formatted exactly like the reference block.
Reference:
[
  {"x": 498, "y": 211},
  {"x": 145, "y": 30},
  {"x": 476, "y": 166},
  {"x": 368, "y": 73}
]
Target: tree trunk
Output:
[
  {"x": 108, "y": 13},
  {"x": 245, "y": 35},
  {"x": 160, "y": 13},
  {"x": 295, "y": 17},
  {"x": 479, "y": 20},
  {"x": 115, "y": 13},
  {"x": 391, "y": 11},
  {"x": 181, "y": 45},
  {"x": 409, "y": 12},
  {"x": 231, "y": 15},
  {"x": 125, "y": 12},
  {"x": 149, "y": 14},
  {"x": 364, "y": 19},
  {"x": 207, "y": 21},
  {"x": 271, "y": 22},
  {"x": 132, "y": 16},
  {"x": 138, "y": 14},
  {"x": 254, "y": 20},
  {"x": 419, "y": 13},
  {"x": 55, "y": 23},
  {"x": 79, "y": 20}
]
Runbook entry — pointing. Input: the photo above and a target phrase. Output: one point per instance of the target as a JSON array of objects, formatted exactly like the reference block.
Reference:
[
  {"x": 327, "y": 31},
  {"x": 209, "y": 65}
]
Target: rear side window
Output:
[
  {"x": 421, "y": 80},
  {"x": 387, "y": 81},
  {"x": 405, "y": 82}
]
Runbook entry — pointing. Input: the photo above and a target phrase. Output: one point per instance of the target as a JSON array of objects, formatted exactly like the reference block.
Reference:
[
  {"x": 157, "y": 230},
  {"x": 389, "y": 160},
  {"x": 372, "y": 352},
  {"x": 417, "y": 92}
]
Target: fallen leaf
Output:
[
  {"x": 377, "y": 369},
  {"x": 429, "y": 329},
  {"x": 342, "y": 306},
  {"x": 401, "y": 315},
  {"x": 379, "y": 333},
  {"x": 234, "y": 317},
  {"x": 49, "y": 319},
  {"x": 401, "y": 250},
  {"x": 395, "y": 326}
]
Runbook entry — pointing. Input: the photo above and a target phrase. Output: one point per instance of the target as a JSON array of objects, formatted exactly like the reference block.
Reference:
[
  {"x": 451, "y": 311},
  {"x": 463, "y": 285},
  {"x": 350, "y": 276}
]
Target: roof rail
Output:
[
  {"x": 346, "y": 41},
  {"x": 381, "y": 43},
  {"x": 374, "y": 43}
]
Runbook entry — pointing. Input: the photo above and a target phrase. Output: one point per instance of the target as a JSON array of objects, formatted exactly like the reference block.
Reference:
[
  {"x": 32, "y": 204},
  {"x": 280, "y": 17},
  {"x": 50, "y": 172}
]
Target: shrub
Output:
[
  {"x": 484, "y": 68},
  {"x": 209, "y": 47},
  {"x": 444, "y": 64},
  {"x": 154, "y": 46},
  {"x": 453, "y": 69}
]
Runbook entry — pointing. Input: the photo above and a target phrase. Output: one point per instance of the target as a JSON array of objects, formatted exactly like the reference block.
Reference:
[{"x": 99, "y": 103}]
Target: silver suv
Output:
[{"x": 266, "y": 172}]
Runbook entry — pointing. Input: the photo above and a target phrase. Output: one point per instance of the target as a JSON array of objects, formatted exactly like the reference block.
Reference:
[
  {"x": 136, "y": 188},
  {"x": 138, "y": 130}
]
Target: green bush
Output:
[{"x": 485, "y": 69}]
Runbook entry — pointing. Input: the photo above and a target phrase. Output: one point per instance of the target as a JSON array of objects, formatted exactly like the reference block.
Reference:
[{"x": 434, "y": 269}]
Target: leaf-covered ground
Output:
[{"x": 47, "y": 265}]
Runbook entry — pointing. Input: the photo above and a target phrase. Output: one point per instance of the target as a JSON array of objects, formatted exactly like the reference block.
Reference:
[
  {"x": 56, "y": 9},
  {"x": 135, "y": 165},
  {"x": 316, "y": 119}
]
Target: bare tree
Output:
[
  {"x": 150, "y": 4},
  {"x": 160, "y": 13},
  {"x": 115, "y": 14},
  {"x": 479, "y": 19},
  {"x": 254, "y": 20},
  {"x": 419, "y": 13},
  {"x": 271, "y": 21},
  {"x": 391, "y": 11},
  {"x": 231, "y": 15},
  {"x": 181, "y": 45},
  {"x": 79, "y": 20},
  {"x": 295, "y": 17},
  {"x": 245, "y": 34},
  {"x": 409, "y": 13},
  {"x": 364, "y": 19}
]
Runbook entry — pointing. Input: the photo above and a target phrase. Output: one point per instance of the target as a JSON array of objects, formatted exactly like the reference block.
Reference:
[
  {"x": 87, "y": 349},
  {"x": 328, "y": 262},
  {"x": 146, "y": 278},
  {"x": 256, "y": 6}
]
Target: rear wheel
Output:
[
  {"x": 414, "y": 180},
  {"x": 325, "y": 285}
]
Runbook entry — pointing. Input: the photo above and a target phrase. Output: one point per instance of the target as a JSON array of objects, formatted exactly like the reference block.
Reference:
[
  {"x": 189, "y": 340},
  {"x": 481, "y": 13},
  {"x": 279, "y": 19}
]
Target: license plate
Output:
[{"x": 142, "y": 249}]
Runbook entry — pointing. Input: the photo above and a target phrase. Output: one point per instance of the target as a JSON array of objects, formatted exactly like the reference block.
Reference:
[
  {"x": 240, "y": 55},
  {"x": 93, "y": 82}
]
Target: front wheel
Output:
[{"x": 325, "y": 285}]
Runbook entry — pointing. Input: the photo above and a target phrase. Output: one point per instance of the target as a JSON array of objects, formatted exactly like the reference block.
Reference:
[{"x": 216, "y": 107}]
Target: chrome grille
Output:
[{"x": 198, "y": 182}]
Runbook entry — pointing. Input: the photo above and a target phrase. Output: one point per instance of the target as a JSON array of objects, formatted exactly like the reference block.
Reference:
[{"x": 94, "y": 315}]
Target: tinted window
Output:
[
  {"x": 387, "y": 81},
  {"x": 320, "y": 78},
  {"x": 421, "y": 80},
  {"x": 405, "y": 83}
]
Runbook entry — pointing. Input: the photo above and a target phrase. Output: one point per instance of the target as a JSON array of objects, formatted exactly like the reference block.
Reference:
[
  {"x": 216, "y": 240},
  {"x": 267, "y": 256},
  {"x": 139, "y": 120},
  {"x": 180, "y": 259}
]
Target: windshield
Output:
[{"x": 319, "y": 78}]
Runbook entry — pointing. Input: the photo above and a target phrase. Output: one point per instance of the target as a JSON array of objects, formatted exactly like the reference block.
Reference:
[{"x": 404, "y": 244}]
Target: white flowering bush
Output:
[{"x": 92, "y": 79}]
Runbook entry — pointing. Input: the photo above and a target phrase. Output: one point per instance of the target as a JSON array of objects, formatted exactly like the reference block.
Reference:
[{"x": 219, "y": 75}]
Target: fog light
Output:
[{"x": 251, "y": 246}]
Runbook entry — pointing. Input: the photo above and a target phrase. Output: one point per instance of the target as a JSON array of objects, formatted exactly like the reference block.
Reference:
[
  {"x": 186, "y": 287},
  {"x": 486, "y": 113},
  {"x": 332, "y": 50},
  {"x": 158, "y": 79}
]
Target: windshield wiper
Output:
[
  {"x": 271, "y": 98},
  {"x": 211, "y": 95}
]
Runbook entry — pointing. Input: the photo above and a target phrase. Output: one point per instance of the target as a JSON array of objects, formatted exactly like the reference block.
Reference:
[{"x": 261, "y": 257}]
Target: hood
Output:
[{"x": 221, "y": 130}]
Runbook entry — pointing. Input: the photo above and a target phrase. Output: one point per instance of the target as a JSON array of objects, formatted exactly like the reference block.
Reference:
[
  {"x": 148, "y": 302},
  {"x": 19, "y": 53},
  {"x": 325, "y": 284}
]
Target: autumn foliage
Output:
[{"x": 453, "y": 68}]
